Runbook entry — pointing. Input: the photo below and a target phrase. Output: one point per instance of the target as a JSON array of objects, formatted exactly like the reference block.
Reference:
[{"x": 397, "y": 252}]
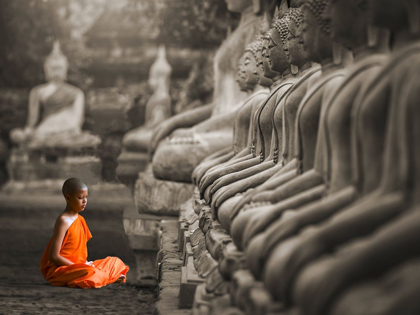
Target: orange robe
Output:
[{"x": 79, "y": 274}]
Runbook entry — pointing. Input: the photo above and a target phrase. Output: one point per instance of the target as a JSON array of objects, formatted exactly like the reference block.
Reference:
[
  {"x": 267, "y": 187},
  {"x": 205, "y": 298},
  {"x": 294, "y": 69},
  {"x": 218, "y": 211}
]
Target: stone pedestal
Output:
[
  {"x": 130, "y": 164},
  {"x": 160, "y": 197},
  {"x": 25, "y": 166}
]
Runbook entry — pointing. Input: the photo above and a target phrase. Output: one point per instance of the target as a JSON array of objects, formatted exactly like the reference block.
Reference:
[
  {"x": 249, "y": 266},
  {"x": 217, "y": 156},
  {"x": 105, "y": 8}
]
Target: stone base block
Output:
[
  {"x": 144, "y": 237},
  {"x": 22, "y": 167},
  {"x": 130, "y": 164},
  {"x": 189, "y": 281},
  {"x": 160, "y": 197}
]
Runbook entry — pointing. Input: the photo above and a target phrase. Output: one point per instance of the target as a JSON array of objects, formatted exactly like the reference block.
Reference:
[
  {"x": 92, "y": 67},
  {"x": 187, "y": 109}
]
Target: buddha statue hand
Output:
[
  {"x": 21, "y": 136},
  {"x": 253, "y": 205}
]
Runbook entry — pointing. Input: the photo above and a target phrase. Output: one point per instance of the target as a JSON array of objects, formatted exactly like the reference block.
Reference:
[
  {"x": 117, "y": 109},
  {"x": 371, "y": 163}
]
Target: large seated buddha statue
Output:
[
  {"x": 282, "y": 117},
  {"x": 134, "y": 158},
  {"x": 209, "y": 128},
  {"x": 53, "y": 144},
  {"x": 56, "y": 111},
  {"x": 334, "y": 170}
]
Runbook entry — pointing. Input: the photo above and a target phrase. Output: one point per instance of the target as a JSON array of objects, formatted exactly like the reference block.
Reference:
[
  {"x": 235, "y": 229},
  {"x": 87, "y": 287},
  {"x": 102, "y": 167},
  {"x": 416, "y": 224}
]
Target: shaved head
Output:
[{"x": 72, "y": 186}]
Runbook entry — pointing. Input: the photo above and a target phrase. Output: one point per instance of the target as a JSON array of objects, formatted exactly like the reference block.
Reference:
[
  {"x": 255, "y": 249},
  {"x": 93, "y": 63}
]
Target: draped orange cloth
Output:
[{"x": 79, "y": 274}]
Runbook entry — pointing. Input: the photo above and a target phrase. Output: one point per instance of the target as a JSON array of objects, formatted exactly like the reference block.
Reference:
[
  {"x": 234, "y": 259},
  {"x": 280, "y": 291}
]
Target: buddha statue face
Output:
[
  {"x": 56, "y": 64},
  {"x": 263, "y": 80},
  {"x": 394, "y": 14},
  {"x": 56, "y": 70},
  {"x": 250, "y": 67},
  {"x": 268, "y": 72},
  {"x": 240, "y": 76},
  {"x": 238, "y": 5},
  {"x": 349, "y": 20},
  {"x": 293, "y": 47},
  {"x": 276, "y": 53},
  {"x": 316, "y": 31}
]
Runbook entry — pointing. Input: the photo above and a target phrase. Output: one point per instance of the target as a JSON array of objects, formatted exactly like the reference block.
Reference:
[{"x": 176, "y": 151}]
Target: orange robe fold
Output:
[{"x": 79, "y": 274}]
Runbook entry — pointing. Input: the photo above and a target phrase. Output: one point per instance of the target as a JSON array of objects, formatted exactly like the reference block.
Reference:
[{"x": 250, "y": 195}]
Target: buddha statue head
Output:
[
  {"x": 238, "y": 5},
  {"x": 316, "y": 30},
  {"x": 56, "y": 64},
  {"x": 349, "y": 21},
  {"x": 240, "y": 75},
  {"x": 160, "y": 71},
  {"x": 397, "y": 15},
  {"x": 266, "y": 64},
  {"x": 293, "y": 43},
  {"x": 278, "y": 58},
  {"x": 262, "y": 79},
  {"x": 252, "y": 77}
]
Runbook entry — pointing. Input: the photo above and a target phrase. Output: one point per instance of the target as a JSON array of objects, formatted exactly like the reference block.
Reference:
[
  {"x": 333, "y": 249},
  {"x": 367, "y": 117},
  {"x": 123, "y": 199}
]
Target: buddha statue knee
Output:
[
  {"x": 211, "y": 135},
  {"x": 56, "y": 111}
]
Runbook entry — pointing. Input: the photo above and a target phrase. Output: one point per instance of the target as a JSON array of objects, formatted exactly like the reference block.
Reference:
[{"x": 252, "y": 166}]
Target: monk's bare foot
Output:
[{"x": 120, "y": 279}]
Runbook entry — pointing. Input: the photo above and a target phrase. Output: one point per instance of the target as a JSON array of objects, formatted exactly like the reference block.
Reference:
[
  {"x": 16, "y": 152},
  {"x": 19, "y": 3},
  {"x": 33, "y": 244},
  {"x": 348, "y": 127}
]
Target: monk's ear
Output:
[{"x": 67, "y": 197}]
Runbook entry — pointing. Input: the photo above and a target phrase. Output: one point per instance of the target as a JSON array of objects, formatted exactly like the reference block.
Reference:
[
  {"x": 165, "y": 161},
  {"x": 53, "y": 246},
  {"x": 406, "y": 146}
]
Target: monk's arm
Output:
[
  {"x": 182, "y": 120},
  {"x": 60, "y": 230}
]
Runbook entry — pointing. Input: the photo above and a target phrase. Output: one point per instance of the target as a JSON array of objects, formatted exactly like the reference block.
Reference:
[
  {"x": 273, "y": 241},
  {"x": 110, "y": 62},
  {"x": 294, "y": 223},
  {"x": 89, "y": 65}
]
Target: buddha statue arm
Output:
[
  {"x": 204, "y": 166},
  {"x": 182, "y": 120},
  {"x": 295, "y": 186},
  {"x": 33, "y": 108},
  {"x": 270, "y": 184},
  {"x": 216, "y": 123},
  {"x": 209, "y": 178},
  {"x": 243, "y": 174}
]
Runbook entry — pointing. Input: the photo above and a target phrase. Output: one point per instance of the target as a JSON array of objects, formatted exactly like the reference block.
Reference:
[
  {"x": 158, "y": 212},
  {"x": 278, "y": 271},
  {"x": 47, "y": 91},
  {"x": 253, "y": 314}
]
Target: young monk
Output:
[{"x": 64, "y": 262}]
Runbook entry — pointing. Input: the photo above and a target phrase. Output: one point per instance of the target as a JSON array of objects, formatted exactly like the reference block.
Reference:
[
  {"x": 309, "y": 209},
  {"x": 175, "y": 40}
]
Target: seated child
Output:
[{"x": 64, "y": 262}]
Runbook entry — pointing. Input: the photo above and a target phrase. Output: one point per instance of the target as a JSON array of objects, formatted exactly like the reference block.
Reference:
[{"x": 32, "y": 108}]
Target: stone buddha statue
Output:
[
  {"x": 337, "y": 156},
  {"x": 378, "y": 232},
  {"x": 207, "y": 129},
  {"x": 283, "y": 117},
  {"x": 56, "y": 111},
  {"x": 158, "y": 107},
  {"x": 287, "y": 254},
  {"x": 251, "y": 79}
]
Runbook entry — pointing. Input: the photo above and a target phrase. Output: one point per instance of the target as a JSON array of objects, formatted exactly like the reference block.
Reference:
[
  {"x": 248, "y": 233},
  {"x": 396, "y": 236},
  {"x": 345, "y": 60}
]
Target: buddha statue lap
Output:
[
  {"x": 203, "y": 134},
  {"x": 54, "y": 128},
  {"x": 337, "y": 146}
]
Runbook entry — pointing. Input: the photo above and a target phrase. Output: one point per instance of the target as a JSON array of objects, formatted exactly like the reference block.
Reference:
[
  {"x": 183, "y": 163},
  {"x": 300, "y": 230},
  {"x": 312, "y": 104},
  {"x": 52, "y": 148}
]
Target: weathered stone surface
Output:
[
  {"x": 22, "y": 167},
  {"x": 159, "y": 197}
]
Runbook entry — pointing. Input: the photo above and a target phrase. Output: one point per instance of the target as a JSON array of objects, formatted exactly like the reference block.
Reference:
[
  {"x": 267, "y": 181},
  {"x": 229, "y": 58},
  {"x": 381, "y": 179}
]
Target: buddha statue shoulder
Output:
[
  {"x": 158, "y": 107},
  {"x": 56, "y": 111}
]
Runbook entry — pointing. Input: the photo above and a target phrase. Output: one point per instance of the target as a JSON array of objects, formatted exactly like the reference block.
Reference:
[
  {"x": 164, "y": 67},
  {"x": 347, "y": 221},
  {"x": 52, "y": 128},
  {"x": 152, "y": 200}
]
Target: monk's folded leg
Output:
[
  {"x": 79, "y": 275},
  {"x": 113, "y": 268}
]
